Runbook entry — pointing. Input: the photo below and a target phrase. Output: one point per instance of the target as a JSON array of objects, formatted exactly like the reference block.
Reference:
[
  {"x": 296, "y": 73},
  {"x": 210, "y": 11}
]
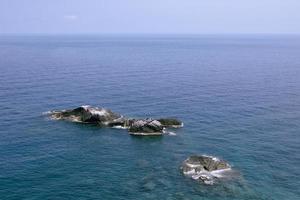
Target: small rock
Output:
[{"x": 204, "y": 168}]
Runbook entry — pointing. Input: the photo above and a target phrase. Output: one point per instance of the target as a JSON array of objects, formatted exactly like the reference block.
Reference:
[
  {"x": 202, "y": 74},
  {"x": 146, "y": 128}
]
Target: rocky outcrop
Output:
[
  {"x": 87, "y": 114},
  {"x": 206, "y": 169},
  {"x": 105, "y": 117},
  {"x": 146, "y": 127}
]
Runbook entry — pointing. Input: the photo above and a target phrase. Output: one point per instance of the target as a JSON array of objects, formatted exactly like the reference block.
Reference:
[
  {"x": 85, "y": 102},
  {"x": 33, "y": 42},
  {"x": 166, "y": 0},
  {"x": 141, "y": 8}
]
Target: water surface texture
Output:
[{"x": 239, "y": 97}]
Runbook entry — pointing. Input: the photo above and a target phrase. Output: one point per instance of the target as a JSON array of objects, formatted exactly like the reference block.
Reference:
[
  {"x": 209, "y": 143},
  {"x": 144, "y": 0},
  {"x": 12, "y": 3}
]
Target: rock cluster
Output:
[
  {"x": 205, "y": 169},
  {"x": 105, "y": 117}
]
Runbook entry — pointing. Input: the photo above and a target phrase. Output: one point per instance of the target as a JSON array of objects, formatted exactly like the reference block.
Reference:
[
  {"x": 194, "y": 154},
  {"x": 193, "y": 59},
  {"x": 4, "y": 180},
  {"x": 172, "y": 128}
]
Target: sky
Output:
[{"x": 149, "y": 16}]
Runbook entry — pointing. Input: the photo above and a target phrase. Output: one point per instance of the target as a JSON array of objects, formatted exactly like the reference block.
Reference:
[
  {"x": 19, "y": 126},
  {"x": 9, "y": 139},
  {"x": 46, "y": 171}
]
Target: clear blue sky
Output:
[{"x": 150, "y": 16}]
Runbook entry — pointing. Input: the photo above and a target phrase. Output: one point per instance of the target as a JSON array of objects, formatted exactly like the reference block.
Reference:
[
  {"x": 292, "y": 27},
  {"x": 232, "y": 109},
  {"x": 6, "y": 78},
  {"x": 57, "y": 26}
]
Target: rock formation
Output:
[
  {"x": 105, "y": 117},
  {"x": 86, "y": 114},
  {"x": 146, "y": 127},
  {"x": 206, "y": 169}
]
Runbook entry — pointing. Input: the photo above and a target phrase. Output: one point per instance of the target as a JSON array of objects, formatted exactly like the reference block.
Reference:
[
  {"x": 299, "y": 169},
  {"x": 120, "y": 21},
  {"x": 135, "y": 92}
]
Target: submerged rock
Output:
[
  {"x": 206, "y": 169},
  {"x": 102, "y": 116}
]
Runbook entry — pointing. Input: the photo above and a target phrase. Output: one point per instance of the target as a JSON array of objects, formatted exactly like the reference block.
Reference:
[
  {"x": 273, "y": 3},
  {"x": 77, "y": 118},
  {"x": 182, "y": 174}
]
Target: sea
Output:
[{"x": 238, "y": 96}]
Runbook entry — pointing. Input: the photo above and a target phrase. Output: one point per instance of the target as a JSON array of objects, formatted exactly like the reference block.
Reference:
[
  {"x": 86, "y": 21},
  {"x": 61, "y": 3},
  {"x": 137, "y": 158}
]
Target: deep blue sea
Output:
[{"x": 238, "y": 96}]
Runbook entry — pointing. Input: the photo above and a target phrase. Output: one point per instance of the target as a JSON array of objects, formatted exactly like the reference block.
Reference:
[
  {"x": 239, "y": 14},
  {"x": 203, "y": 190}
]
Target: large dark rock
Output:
[
  {"x": 204, "y": 168},
  {"x": 87, "y": 114}
]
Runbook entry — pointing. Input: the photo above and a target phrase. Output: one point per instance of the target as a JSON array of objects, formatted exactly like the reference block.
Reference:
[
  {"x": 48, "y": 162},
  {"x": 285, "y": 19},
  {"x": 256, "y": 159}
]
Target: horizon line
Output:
[{"x": 145, "y": 34}]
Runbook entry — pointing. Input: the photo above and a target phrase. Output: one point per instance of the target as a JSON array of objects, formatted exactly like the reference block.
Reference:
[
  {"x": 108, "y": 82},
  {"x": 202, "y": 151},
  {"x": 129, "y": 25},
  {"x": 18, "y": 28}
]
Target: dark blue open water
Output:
[{"x": 239, "y": 97}]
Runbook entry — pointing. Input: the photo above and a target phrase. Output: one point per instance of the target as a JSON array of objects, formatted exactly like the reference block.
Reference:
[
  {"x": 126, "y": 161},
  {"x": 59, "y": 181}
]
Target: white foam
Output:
[
  {"x": 177, "y": 126},
  {"x": 168, "y": 132},
  {"x": 171, "y": 133},
  {"x": 196, "y": 176},
  {"x": 75, "y": 120},
  {"x": 120, "y": 127},
  {"x": 209, "y": 182},
  {"x": 148, "y": 134},
  {"x": 47, "y": 113},
  {"x": 204, "y": 176},
  {"x": 52, "y": 112},
  {"x": 85, "y": 106},
  {"x": 193, "y": 165},
  {"x": 95, "y": 110},
  {"x": 219, "y": 173},
  {"x": 54, "y": 118},
  {"x": 213, "y": 158},
  {"x": 190, "y": 172},
  {"x": 50, "y": 116}
]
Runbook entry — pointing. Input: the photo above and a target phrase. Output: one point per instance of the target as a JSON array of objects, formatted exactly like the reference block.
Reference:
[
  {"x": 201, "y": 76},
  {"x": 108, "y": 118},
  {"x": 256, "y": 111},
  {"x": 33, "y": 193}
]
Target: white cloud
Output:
[{"x": 71, "y": 17}]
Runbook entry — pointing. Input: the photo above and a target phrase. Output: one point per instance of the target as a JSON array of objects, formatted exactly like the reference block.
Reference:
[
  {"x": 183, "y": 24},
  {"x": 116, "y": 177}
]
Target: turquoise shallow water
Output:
[{"x": 239, "y": 97}]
